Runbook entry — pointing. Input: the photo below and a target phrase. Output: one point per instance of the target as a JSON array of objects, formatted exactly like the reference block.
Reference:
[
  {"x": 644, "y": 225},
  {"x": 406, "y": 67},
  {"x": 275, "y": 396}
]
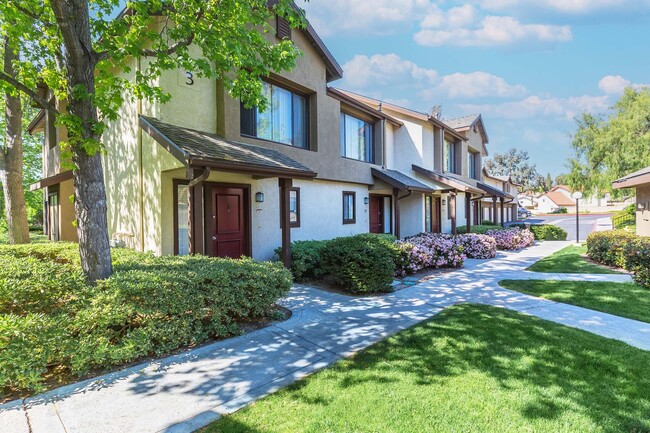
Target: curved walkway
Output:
[{"x": 182, "y": 393}]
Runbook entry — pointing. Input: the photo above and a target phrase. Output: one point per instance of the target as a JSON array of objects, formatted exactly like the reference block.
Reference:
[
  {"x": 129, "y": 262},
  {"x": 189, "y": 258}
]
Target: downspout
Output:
[
  {"x": 140, "y": 166},
  {"x": 200, "y": 178}
]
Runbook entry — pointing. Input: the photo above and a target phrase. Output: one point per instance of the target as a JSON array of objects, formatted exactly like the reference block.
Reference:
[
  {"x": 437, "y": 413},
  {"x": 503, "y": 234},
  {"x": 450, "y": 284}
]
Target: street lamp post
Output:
[{"x": 577, "y": 196}]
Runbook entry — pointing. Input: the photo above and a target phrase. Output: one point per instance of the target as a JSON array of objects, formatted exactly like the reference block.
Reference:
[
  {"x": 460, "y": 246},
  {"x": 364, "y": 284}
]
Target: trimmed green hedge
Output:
[
  {"x": 306, "y": 261},
  {"x": 545, "y": 232},
  {"x": 50, "y": 319},
  {"x": 622, "y": 249},
  {"x": 361, "y": 264},
  {"x": 478, "y": 229}
]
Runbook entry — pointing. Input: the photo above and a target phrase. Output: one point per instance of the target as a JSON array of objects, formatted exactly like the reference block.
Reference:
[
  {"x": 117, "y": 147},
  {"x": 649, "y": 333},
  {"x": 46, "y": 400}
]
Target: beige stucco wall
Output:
[
  {"x": 643, "y": 210},
  {"x": 67, "y": 228}
]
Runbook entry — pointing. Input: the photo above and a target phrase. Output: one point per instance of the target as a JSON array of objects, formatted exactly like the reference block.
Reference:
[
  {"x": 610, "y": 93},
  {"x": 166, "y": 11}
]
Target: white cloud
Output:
[
  {"x": 385, "y": 69},
  {"x": 562, "y": 6},
  {"x": 616, "y": 85},
  {"x": 363, "y": 16},
  {"x": 369, "y": 72},
  {"x": 478, "y": 85},
  {"x": 536, "y": 106},
  {"x": 491, "y": 31}
]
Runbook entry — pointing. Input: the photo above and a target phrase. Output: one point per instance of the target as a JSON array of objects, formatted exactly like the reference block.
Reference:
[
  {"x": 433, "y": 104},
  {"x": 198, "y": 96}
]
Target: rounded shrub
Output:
[
  {"x": 361, "y": 264},
  {"x": 306, "y": 262}
]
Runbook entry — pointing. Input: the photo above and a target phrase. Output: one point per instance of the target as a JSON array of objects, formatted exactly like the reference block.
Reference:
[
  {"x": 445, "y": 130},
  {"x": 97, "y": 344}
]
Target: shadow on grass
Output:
[
  {"x": 556, "y": 370},
  {"x": 570, "y": 260}
]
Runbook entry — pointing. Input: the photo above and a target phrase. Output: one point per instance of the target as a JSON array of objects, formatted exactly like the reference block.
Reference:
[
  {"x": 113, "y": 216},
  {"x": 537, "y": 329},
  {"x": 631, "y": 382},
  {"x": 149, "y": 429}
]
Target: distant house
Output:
[
  {"x": 640, "y": 180},
  {"x": 556, "y": 198},
  {"x": 528, "y": 200}
]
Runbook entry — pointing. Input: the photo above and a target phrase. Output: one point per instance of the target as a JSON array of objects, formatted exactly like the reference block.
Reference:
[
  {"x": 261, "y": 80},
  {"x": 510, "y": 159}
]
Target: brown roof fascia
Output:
[
  {"x": 52, "y": 180},
  {"x": 37, "y": 124},
  {"x": 337, "y": 94},
  {"x": 236, "y": 167},
  {"x": 457, "y": 186},
  {"x": 165, "y": 142},
  {"x": 397, "y": 184},
  {"x": 632, "y": 182}
]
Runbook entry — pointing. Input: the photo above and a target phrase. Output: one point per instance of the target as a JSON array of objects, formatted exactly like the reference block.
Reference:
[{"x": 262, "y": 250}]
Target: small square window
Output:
[{"x": 349, "y": 207}]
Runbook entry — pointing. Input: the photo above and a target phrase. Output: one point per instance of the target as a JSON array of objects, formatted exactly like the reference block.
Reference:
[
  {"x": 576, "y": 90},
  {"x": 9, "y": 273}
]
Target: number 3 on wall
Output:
[{"x": 189, "y": 78}]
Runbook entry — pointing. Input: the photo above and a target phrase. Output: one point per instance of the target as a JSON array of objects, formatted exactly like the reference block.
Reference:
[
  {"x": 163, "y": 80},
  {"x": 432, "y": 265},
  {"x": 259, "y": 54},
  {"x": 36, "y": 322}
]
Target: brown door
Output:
[
  {"x": 376, "y": 214},
  {"x": 229, "y": 235},
  {"x": 435, "y": 214}
]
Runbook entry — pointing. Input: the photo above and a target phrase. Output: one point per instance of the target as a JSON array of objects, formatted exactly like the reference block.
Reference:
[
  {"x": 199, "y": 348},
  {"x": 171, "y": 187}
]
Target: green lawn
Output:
[
  {"x": 34, "y": 237},
  {"x": 569, "y": 260},
  {"x": 470, "y": 369},
  {"x": 621, "y": 299}
]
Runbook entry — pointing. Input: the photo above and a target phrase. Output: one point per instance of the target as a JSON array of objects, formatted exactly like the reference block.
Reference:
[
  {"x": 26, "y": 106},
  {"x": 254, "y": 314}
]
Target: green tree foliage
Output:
[
  {"x": 82, "y": 53},
  {"x": 516, "y": 163},
  {"x": 548, "y": 183},
  {"x": 612, "y": 145}
]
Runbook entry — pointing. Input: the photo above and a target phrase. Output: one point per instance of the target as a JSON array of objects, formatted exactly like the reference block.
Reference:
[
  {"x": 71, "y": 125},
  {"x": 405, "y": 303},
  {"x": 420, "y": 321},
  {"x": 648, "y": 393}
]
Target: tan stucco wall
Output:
[
  {"x": 643, "y": 210},
  {"x": 67, "y": 229},
  {"x": 309, "y": 77}
]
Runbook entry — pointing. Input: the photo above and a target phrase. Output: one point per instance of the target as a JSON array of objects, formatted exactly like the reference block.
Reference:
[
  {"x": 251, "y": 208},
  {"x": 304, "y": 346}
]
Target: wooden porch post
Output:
[
  {"x": 468, "y": 211},
  {"x": 502, "y": 214},
  {"x": 452, "y": 203},
  {"x": 285, "y": 217},
  {"x": 494, "y": 209},
  {"x": 396, "y": 229}
]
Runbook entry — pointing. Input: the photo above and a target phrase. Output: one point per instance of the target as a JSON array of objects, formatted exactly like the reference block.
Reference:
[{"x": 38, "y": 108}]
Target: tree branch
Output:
[
  {"x": 34, "y": 16},
  {"x": 180, "y": 44},
  {"x": 29, "y": 92}
]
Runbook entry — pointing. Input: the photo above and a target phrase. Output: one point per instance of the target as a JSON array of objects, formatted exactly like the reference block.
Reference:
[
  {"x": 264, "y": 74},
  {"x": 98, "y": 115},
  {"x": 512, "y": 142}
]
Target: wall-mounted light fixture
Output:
[
  {"x": 259, "y": 197},
  {"x": 366, "y": 200}
]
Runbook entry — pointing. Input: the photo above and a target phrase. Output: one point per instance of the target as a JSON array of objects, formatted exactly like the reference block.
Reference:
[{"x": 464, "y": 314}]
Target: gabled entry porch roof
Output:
[
  {"x": 202, "y": 149},
  {"x": 453, "y": 183},
  {"x": 399, "y": 180}
]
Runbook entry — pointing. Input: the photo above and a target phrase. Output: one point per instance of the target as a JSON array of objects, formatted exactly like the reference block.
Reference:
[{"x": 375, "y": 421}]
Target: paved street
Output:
[
  {"x": 568, "y": 222},
  {"x": 182, "y": 393}
]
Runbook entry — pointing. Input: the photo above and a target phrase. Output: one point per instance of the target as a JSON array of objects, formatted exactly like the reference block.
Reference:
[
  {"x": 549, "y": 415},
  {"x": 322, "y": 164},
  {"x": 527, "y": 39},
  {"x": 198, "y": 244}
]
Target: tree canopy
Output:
[
  {"x": 611, "y": 145},
  {"x": 82, "y": 53},
  {"x": 516, "y": 163}
]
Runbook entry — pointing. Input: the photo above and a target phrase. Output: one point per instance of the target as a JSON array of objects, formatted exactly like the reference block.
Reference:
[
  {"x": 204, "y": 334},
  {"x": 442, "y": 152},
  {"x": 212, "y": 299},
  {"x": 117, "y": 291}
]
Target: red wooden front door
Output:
[
  {"x": 376, "y": 214},
  {"x": 435, "y": 215},
  {"x": 229, "y": 232}
]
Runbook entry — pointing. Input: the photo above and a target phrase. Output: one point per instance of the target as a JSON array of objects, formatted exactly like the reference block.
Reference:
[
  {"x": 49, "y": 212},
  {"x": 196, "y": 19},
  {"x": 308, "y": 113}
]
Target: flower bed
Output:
[
  {"x": 477, "y": 246},
  {"x": 512, "y": 238}
]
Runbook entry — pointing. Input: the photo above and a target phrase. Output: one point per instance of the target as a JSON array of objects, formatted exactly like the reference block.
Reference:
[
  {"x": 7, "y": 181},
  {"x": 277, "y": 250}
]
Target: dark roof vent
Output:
[{"x": 283, "y": 29}]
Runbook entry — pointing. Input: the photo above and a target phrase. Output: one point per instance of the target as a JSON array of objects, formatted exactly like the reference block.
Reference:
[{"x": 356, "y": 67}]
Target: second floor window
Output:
[
  {"x": 450, "y": 157},
  {"x": 471, "y": 165},
  {"x": 285, "y": 119},
  {"x": 356, "y": 138}
]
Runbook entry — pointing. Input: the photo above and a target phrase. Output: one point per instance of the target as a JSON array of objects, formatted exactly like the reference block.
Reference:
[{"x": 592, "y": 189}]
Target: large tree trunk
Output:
[
  {"x": 72, "y": 17},
  {"x": 11, "y": 161}
]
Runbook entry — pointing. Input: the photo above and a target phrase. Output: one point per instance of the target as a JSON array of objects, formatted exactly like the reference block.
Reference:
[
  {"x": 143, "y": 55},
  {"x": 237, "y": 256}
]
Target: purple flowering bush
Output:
[
  {"x": 477, "y": 246},
  {"x": 512, "y": 238},
  {"x": 428, "y": 250}
]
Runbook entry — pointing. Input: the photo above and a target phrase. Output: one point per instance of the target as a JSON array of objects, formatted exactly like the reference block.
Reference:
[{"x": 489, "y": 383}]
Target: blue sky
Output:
[{"x": 528, "y": 66}]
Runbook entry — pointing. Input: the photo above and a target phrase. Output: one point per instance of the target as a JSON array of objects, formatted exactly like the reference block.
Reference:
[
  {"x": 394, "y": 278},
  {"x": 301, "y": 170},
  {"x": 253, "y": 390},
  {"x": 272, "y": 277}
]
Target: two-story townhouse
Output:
[
  {"x": 510, "y": 204},
  {"x": 427, "y": 152},
  {"x": 204, "y": 174}
]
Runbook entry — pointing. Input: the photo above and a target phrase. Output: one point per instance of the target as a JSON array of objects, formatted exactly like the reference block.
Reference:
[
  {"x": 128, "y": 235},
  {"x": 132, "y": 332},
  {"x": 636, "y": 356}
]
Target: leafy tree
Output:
[
  {"x": 548, "y": 183},
  {"x": 11, "y": 157},
  {"x": 611, "y": 145},
  {"x": 515, "y": 163},
  {"x": 79, "y": 52}
]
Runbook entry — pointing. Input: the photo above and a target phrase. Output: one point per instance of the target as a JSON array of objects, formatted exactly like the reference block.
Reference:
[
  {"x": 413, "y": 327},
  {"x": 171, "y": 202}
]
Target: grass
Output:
[
  {"x": 470, "y": 369},
  {"x": 34, "y": 237},
  {"x": 621, "y": 299},
  {"x": 570, "y": 260}
]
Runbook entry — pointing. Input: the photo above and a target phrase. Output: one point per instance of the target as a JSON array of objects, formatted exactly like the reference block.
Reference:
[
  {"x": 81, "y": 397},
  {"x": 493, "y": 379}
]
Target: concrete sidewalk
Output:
[{"x": 185, "y": 392}]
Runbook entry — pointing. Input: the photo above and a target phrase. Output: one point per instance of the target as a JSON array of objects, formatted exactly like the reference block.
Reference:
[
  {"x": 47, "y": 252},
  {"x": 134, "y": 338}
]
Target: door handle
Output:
[{"x": 214, "y": 238}]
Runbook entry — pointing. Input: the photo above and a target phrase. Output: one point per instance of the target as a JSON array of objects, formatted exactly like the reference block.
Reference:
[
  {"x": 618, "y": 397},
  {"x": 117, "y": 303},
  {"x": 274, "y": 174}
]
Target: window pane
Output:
[
  {"x": 293, "y": 206},
  {"x": 265, "y": 118},
  {"x": 427, "y": 214},
  {"x": 183, "y": 221},
  {"x": 356, "y": 138},
  {"x": 282, "y": 116},
  {"x": 348, "y": 207},
  {"x": 300, "y": 126}
]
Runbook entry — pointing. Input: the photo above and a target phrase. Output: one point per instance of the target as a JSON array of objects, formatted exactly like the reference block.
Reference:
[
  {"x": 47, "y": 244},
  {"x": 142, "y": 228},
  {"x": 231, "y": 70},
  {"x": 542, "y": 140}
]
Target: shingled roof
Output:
[
  {"x": 633, "y": 179},
  {"x": 401, "y": 181},
  {"x": 197, "y": 148}
]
